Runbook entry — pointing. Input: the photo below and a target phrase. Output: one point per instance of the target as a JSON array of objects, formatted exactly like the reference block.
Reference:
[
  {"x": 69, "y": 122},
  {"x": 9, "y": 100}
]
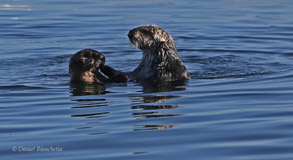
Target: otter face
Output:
[
  {"x": 86, "y": 60},
  {"x": 84, "y": 65},
  {"x": 148, "y": 37}
]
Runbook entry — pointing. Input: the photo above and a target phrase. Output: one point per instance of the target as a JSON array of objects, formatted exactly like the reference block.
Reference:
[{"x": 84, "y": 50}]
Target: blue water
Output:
[{"x": 237, "y": 106}]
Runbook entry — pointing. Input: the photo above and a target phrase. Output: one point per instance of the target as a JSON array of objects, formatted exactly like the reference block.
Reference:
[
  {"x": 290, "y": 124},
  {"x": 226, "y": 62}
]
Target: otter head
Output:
[
  {"x": 84, "y": 66},
  {"x": 150, "y": 37}
]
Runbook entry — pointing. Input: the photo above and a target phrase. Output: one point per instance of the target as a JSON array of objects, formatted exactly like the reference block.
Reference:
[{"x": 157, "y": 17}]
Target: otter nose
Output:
[{"x": 130, "y": 36}]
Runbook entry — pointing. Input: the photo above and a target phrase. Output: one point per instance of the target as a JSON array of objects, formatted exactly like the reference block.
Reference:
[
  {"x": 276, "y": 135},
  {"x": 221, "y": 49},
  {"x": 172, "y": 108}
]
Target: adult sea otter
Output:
[{"x": 160, "y": 61}]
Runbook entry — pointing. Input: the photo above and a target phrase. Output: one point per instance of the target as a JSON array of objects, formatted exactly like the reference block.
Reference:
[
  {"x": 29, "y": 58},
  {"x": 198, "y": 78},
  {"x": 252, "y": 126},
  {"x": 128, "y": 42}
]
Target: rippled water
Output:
[{"x": 237, "y": 106}]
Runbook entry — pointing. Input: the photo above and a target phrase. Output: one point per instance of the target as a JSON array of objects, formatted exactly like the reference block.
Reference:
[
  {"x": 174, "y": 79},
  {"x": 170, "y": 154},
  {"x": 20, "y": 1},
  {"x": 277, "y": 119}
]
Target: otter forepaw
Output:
[{"x": 114, "y": 75}]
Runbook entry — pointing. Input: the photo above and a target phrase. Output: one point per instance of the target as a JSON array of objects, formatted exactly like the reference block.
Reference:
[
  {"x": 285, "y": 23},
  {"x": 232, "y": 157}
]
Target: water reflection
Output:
[
  {"x": 149, "y": 87},
  {"x": 153, "y": 115},
  {"x": 154, "y": 107},
  {"x": 79, "y": 89},
  {"x": 152, "y": 127},
  {"x": 146, "y": 106},
  {"x": 88, "y": 104},
  {"x": 153, "y": 98},
  {"x": 84, "y": 103},
  {"x": 93, "y": 102}
]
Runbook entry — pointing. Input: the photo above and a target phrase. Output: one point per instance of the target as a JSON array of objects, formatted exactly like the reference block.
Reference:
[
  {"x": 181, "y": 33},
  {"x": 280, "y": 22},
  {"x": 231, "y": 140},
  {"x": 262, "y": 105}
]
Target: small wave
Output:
[
  {"x": 15, "y": 7},
  {"x": 53, "y": 75},
  {"x": 288, "y": 54},
  {"x": 219, "y": 50},
  {"x": 233, "y": 66},
  {"x": 152, "y": 127},
  {"x": 25, "y": 35},
  {"x": 215, "y": 76},
  {"x": 20, "y": 87},
  {"x": 91, "y": 115}
]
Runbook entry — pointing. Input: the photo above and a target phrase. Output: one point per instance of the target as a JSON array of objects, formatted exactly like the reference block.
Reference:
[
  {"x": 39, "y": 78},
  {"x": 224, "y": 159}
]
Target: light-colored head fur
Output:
[{"x": 150, "y": 37}]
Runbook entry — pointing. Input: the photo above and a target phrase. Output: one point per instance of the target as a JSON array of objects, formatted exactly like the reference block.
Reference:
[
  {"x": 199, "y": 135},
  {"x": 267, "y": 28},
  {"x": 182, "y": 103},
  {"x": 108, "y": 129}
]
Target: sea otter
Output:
[
  {"x": 84, "y": 67},
  {"x": 160, "y": 62}
]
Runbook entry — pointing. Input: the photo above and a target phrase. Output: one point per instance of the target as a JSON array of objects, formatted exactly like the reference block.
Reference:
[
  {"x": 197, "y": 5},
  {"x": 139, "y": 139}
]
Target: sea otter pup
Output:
[
  {"x": 84, "y": 67},
  {"x": 160, "y": 62}
]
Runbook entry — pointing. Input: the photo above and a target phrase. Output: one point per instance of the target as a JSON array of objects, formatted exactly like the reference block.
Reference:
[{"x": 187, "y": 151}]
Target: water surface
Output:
[{"x": 237, "y": 106}]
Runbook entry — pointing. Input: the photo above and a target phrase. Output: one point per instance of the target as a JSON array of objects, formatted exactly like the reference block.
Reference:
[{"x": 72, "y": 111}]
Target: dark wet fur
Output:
[{"x": 84, "y": 67}]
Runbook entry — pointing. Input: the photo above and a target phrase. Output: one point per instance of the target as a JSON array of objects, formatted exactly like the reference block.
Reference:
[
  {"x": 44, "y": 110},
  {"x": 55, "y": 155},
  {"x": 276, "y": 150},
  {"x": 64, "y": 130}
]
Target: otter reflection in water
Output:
[{"x": 160, "y": 62}]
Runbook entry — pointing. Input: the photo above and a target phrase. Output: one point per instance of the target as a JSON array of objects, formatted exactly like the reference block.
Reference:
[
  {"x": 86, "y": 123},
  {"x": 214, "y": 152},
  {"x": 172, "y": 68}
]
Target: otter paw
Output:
[{"x": 114, "y": 75}]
